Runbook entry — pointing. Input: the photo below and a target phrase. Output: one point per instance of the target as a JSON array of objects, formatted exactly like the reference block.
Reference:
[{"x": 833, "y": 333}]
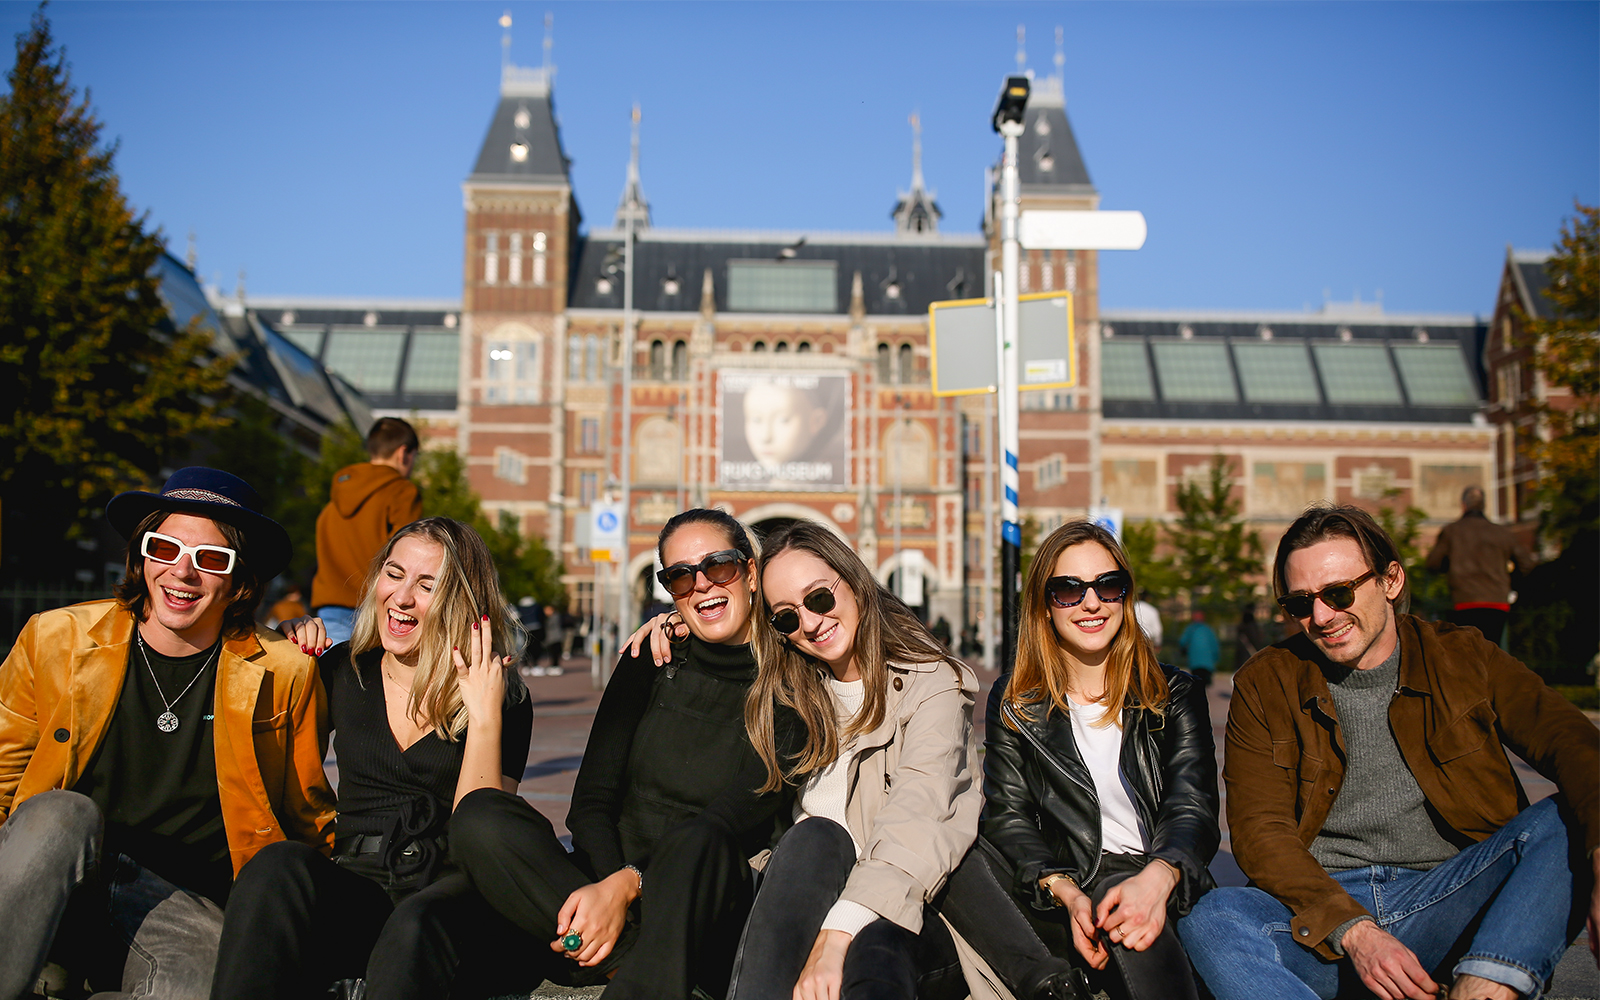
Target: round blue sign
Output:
[{"x": 606, "y": 521}]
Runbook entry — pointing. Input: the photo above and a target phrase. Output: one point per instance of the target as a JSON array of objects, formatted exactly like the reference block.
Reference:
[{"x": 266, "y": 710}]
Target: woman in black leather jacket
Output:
[{"x": 1100, "y": 775}]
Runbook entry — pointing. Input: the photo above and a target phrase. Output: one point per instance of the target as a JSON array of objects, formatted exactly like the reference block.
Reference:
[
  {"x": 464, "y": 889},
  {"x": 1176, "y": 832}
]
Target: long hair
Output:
[
  {"x": 466, "y": 589},
  {"x": 738, "y": 538},
  {"x": 1323, "y": 521},
  {"x": 238, "y": 618},
  {"x": 886, "y": 630},
  {"x": 1133, "y": 676}
]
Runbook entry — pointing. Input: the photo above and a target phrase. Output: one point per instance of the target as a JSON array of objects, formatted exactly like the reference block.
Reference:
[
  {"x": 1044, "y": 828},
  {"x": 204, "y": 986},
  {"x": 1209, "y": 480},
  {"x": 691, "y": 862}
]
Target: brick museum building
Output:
[{"x": 787, "y": 375}]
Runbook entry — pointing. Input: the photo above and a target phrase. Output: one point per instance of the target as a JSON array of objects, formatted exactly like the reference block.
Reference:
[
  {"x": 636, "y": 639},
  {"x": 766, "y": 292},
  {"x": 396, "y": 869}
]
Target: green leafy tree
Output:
[
  {"x": 94, "y": 394},
  {"x": 1430, "y": 591},
  {"x": 1566, "y": 355},
  {"x": 1217, "y": 558},
  {"x": 1155, "y": 573}
]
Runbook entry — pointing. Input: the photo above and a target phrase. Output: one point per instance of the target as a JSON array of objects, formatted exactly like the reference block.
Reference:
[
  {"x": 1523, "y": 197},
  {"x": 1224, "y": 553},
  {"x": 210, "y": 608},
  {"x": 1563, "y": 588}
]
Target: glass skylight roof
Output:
[
  {"x": 1124, "y": 373},
  {"x": 1435, "y": 375},
  {"x": 367, "y": 359},
  {"x": 790, "y": 286},
  {"x": 308, "y": 339},
  {"x": 1276, "y": 373},
  {"x": 1194, "y": 372},
  {"x": 434, "y": 359},
  {"x": 1357, "y": 373}
]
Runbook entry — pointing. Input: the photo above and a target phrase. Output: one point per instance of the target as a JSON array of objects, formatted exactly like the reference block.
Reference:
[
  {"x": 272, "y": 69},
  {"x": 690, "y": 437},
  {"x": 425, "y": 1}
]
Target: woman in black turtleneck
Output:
[{"x": 665, "y": 812}]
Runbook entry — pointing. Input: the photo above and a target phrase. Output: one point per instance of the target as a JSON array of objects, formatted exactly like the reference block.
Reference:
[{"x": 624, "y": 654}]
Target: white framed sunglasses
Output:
[{"x": 216, "y": 559}]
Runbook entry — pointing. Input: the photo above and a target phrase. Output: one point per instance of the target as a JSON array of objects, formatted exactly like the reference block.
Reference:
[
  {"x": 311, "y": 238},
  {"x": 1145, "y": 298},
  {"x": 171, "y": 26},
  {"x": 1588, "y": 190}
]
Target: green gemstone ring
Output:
[{"x": 572, "y": 942}]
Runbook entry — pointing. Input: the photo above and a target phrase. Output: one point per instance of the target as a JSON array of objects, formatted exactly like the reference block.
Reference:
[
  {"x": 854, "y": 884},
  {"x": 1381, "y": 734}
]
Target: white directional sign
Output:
[
  {"x": 961, "y": 335},
  {"x": 1066, "y": 230},
  {"x": 605, "y": 532},
  {"x": 1109, "y": 518}
]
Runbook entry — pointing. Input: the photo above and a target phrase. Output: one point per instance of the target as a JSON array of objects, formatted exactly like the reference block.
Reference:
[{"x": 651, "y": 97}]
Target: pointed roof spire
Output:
[
  {"x": 1022, "y": 49},
  {"x": 550, "y": 42},
  {"x": 633, "y": 202},
  {"x": 1061, "y": 55},
  {"x": 505, "y": 41},
  {"x": 708, "y": 297},
  {"x": 1051, "y": 91},
  {"x": 916, "y": 211},
  {"x": 858, "y": 299}
]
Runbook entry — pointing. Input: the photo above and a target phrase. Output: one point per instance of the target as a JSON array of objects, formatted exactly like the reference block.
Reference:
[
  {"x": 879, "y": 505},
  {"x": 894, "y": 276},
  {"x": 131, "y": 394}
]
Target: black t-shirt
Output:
[
  {"x": 158, "y": 790},
  {"x": 405, "y": 795}
]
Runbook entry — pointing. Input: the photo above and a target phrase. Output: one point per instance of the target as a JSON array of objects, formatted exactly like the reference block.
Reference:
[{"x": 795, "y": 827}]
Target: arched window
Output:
[
  {"x": 804, "y": 347},
  {"x": 781, "y": 347},
  {"x": 591, "y": 358},
  {"x": 885, "y": 362},
  {"x": 658, "y": 359},
  {"x": 759, "y": 346},
  {"x": 908, "y": 364},
  {"x": 680, "y": 361}
]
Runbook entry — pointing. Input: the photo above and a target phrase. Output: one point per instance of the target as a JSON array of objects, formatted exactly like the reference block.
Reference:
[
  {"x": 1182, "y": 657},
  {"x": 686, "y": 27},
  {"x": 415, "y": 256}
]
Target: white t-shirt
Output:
[
  {"x": 827, "y": 791},
  {"x": 1121, "y": 832}
]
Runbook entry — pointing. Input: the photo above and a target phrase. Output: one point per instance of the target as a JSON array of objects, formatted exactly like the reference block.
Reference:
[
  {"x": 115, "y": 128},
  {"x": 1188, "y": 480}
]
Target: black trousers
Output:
[
  {"x": 297, "y": 922},
  {"x": 686, "y": 925},
  {"x": 1159, "y": 972},
  {"x": 1489, "y": 621},
  {"x": 802, "y": 881}
]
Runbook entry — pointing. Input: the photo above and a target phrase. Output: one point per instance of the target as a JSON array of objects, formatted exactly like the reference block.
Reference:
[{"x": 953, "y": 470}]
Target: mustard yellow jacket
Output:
[{"x": 60, "y": 685}]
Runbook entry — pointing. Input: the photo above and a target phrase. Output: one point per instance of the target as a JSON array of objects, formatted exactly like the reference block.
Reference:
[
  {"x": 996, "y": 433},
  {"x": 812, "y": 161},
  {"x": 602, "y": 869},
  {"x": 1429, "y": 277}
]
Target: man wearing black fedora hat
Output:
[{"x": 150, "y": 745}]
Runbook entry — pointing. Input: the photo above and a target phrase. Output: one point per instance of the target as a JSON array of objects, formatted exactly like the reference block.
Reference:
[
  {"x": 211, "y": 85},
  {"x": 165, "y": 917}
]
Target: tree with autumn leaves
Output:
[{"x": 97, "y": 389}]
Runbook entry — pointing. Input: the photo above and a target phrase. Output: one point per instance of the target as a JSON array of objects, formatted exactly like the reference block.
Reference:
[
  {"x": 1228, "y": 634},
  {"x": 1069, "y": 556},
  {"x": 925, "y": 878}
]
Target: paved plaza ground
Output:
[{"x": 563, "y": 708}]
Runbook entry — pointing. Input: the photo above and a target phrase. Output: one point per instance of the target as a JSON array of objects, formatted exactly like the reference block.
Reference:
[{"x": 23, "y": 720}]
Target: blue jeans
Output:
[
  {"x": 50, "y": 857},
  {"x": 337, "y": 621},
  {"x": 1518, "y": 881}
]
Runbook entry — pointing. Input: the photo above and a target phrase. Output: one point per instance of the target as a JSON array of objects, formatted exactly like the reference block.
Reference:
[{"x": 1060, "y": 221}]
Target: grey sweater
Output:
[{"x": 1380, "y": 816}]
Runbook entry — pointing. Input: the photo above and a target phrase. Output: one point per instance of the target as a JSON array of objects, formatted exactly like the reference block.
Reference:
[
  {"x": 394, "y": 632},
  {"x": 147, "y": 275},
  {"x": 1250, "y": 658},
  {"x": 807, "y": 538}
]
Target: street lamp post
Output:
[
  {"x": 624, "y": 585},
  {"x": 1008, "y": 121}
]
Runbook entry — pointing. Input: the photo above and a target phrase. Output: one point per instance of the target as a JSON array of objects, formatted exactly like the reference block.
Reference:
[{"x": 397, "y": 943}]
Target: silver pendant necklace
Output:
[{"x": 167, "y": 722}]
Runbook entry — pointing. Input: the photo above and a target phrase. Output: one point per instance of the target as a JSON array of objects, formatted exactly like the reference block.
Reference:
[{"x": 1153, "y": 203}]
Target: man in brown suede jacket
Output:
[
  {"x": 367, "y": 503},
  {"x": 1372, "y": 804}
]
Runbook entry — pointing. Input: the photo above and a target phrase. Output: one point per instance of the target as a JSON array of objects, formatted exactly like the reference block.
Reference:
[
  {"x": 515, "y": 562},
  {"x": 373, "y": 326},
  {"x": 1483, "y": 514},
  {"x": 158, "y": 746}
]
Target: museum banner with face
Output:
[{"x": 783, "y": 430}]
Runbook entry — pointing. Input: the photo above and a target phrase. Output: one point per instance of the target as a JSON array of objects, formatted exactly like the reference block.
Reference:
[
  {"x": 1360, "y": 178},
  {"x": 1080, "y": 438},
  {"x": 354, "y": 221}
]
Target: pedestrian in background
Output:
[
  {"x": 366, "y": 503},
  {"x": 555, "y": 638},
  {"x": 1475, "y": 552},
  {"x": 532, "y": 615},
  {"x": 1200, "y": 647},
  {"x": 1149, "y": 619},
  {"x": 1249, "y": 637}
]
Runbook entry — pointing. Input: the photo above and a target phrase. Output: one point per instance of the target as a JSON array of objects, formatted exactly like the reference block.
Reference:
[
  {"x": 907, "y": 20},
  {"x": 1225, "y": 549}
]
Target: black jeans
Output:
[
  {"x": 1159, "y": 972},
  {"x": 697, "y": 893},
  {"x": 801, "y": 882},
  {"x": 297, "y": 922}
]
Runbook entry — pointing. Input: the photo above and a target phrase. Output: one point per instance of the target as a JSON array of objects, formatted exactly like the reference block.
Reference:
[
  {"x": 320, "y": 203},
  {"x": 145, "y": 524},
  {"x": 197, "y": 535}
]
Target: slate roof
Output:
[
  {"x": 1534, "y": 278},
  {"x": 525, "y": 115},
  {"x": 269, "y": 364},
  {"x": 1291, "y": 367},
  {"x": 1048, "y": 158},
  {"x": 925, "y": 268}
]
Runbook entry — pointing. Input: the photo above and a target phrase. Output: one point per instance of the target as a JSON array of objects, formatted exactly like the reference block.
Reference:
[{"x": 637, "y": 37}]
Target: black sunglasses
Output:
[
  {"x": 818, "y": 602},
  {"x": 1337, "y": 596},
  {"x": 719, "y": 567},
  {"x": 1069, "y": 591}
]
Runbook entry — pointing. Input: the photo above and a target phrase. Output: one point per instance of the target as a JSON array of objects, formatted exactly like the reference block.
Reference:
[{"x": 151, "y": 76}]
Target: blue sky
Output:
[{"x": 1278, "y": 150}]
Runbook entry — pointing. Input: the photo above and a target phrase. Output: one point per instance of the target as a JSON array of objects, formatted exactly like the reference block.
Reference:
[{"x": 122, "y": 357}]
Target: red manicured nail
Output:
[{"x": 474, "y": 626}]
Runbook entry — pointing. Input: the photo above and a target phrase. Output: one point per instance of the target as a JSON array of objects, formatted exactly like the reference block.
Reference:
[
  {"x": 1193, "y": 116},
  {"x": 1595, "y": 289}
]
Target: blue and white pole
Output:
[{"x": 1006, "y": 306}]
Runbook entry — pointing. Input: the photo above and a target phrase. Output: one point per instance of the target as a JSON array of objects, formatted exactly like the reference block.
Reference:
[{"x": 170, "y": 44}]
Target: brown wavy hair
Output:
[
  {"x": 238, "y": 619},
  {"x": 1323, "y": 521},
  {"x": 887, "y": 630},
  {"x": 466, "y": 589},
  {"x": 1133, "y": 675}
]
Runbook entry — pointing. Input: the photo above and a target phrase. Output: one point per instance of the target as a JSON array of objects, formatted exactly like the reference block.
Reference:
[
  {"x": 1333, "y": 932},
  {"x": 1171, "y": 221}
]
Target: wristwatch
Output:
[{"x": 1051, "y": 879}]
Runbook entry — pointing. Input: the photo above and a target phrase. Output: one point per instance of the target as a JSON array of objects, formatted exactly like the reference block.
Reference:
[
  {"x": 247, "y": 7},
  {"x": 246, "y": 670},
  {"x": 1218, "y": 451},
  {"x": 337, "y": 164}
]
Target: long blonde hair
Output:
[
  {"x": 1133, "y": 676},
  {"x": 466, "y": 589},
  {"x": 886, "y": 630}
]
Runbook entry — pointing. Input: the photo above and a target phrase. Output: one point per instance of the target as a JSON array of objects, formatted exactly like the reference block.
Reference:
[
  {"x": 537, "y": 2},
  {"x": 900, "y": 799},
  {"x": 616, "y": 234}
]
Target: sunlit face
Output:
[
  {"x": 716, "y": 612},
  {"x": 1363, "y": 635},
  {"x": 780, "y": 423},
  {"x": 829, "y": 637},
  {"x": 1089, "y": 627},
  {"x": 403, "y": 592},
  {"x": 186, "y": 603}
]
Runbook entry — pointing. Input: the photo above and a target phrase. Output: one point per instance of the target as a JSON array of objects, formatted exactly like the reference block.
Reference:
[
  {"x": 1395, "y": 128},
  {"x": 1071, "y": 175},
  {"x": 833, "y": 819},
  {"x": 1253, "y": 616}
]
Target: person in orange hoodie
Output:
[{"x": 368, "y": 502}]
